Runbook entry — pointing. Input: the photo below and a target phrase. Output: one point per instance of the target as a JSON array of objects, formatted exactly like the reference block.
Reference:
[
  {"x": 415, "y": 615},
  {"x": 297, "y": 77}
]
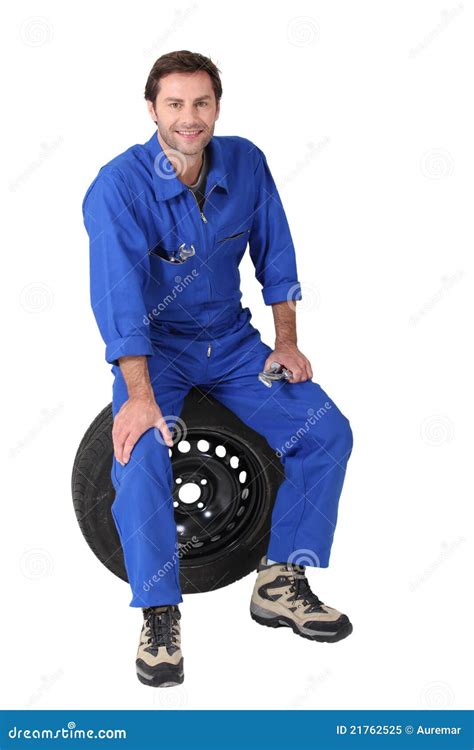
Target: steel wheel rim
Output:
[{"x": 218, "y": 489}]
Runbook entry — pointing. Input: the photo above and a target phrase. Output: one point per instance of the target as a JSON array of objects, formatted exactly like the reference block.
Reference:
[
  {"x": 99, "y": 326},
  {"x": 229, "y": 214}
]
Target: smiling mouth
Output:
[{"x": 189, "y": 134}]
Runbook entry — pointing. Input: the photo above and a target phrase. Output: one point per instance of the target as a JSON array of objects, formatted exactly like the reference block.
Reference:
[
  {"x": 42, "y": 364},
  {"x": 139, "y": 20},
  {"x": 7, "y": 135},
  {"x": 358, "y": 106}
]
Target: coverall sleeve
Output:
[
  {"x": 119, "y": 267},
  {"x": 270, "y": 244}
]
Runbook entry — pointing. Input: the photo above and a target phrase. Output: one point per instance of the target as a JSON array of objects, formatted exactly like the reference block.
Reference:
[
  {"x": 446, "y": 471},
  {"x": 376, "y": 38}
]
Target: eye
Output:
[
  {"x": 174, "y": 104},
  {"x": 204, "y": 103}
]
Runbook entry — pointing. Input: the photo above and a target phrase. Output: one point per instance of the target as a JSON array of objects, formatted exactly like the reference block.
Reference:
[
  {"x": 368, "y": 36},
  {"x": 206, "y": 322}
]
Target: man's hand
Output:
[
  {"x": 140, "y": 412},
  {"x": 135, "y": 417},
  {"x": 286, "y": 352},
  {"x": 290, "y": 357}
]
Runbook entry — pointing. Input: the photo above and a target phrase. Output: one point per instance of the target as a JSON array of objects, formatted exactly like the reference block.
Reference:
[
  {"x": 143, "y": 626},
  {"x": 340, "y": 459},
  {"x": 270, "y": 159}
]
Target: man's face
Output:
[{"x": 186, "y": 111}]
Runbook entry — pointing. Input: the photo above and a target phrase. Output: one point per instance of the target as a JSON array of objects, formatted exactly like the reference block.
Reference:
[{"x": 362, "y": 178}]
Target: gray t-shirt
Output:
[{"x": 199, "y": 187}]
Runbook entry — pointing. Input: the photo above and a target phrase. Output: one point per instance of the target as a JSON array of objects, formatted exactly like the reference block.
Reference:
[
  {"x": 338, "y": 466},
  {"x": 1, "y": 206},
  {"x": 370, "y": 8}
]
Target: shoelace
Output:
[
  {"x": 162, "y": 626},
  {"x": 302, "y": 588}
]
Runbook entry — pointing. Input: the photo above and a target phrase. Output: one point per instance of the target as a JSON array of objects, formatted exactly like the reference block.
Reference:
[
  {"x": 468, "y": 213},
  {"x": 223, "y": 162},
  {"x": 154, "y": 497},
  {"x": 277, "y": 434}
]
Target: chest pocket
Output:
[
  {"x": 174, "y": 255},
  {"x": 230, "y": 244},
  {"x": 173, "y": 277}
]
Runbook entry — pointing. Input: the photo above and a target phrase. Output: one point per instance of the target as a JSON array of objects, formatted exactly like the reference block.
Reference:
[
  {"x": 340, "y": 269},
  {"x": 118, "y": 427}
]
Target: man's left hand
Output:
[{"x": 289, "y": 356}]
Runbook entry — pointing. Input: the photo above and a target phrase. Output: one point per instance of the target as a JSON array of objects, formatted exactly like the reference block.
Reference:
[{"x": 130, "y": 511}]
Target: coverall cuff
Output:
[
  {"x": 129, "y": 346},
  {"x": 282, "y": 292}
]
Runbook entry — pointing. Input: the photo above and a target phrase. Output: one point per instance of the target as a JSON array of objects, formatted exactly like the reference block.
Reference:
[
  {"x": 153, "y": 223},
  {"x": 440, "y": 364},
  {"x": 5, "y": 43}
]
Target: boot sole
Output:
[
  {"x": 164, "y": 676},
  {"x": 280, "y": 621}
]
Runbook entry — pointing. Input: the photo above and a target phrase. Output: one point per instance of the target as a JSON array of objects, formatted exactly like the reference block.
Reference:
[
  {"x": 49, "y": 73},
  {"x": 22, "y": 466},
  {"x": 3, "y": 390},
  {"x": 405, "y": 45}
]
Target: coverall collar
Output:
[{"x": 167, "y": 186}]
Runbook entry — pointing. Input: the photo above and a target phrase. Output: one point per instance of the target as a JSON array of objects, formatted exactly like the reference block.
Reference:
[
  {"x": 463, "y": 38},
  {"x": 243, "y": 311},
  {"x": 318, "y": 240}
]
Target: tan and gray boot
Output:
[
  {"x": 282, "y": 597},
  {"x": 159, "y": 660}
]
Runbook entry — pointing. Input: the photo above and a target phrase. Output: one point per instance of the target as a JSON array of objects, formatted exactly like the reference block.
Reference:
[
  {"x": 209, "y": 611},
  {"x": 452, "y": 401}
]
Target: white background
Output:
[{"x": 364, "y": 113}]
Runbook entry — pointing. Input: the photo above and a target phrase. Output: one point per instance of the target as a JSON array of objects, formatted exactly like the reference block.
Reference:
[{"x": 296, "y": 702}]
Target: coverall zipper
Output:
[
  {"x": 205, "y": 198},
  {"x": 209, "y": 348}
]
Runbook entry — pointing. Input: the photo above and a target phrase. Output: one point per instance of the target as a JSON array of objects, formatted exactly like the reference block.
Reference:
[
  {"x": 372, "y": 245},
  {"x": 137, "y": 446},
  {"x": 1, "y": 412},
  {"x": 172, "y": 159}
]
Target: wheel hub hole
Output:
[{"x": 189, "y": 493}]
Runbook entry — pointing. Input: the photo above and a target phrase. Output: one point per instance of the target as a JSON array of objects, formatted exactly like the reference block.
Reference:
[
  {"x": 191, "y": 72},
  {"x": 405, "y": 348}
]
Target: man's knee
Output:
[
  {"x": 346, "y": 437},
  {"x": 337, "y": 433},
  {"x": 149, "y": 459}
]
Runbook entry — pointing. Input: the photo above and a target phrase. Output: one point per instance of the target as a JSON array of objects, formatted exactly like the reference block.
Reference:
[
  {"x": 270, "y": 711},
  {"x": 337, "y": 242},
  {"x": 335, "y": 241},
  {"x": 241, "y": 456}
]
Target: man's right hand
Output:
[
  {"x": 135, "y": 417},
  {"x": 139, "y": 412}
]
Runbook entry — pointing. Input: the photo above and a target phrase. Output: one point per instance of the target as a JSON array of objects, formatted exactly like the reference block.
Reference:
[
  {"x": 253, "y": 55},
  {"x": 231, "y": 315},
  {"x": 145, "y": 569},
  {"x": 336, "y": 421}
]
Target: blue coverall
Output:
[{"x": 188, "y": 320}]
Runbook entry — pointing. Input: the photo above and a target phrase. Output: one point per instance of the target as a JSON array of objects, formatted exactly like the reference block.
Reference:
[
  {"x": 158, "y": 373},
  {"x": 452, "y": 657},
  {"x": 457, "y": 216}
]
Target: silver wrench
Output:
[{"x": 275, "y": 372}]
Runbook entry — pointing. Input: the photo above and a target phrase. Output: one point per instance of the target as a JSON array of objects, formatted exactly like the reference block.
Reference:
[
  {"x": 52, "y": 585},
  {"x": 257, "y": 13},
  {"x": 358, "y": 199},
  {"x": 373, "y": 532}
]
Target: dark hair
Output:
[{"x": 182, "y": 61}]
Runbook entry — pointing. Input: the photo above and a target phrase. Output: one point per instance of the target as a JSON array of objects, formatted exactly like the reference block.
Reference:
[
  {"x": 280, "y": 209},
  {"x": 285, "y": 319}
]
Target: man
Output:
[{"x": 169, "y": 222}]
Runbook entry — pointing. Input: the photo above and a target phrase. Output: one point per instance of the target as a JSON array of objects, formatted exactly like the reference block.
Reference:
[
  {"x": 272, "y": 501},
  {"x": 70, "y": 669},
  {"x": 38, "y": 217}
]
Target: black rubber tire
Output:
[{"x": 93, "y": 494}]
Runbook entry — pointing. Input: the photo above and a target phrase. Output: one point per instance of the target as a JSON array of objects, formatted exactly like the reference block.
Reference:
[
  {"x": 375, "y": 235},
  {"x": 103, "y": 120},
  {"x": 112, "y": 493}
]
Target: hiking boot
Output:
[
  {"x": 159, "y": 660},
  {"x": 282, "y": 597}
]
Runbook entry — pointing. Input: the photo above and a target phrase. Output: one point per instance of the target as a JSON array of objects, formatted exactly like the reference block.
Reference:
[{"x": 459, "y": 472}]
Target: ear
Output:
[
  {"x": 218, "y": 110},
  {"x": 151, "y": 111}
]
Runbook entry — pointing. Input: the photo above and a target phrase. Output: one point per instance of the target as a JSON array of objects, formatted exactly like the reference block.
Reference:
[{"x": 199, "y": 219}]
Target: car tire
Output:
[{"x": 236, "y": 477}]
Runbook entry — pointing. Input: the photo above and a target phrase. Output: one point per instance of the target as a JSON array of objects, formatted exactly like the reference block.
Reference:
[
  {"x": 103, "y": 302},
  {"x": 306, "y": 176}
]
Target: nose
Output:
[{"x": 187, "y": 118}]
